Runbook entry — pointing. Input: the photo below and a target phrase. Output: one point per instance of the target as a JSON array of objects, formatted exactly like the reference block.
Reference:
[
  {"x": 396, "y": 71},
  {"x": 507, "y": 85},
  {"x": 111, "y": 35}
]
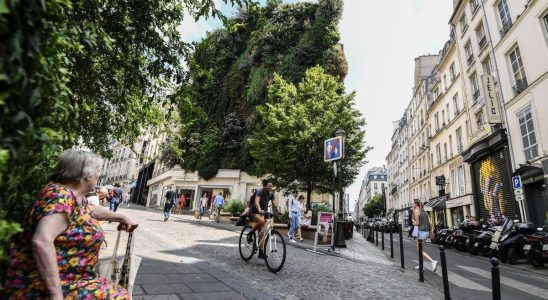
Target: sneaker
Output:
[
  {"x": 416, "y": 267},
  {"x": 292, "y": 240},
  {"x": 250, "y": 238},
  {"x": 288, "y": 235},
  {"x": 262, "y": 255},
  {"x": 434, "y": 265}
]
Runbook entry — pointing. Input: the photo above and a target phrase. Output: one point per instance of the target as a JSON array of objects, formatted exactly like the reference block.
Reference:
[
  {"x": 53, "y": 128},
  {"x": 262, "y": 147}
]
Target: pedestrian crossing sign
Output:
[{"x": 333, "y": 149}]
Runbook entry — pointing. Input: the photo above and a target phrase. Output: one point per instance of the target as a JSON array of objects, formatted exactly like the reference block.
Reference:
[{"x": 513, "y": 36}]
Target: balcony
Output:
[
  {"x": 482, "y": 42},
  {"x": 520, "y": 86},
  {"x": 476, "y": 94},
  {"x": 505, "y": 28}
]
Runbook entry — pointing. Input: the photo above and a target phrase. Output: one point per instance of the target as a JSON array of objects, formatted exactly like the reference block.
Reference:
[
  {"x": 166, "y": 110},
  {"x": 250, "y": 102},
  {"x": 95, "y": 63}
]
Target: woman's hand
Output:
[{"x": 126, "y": 224}]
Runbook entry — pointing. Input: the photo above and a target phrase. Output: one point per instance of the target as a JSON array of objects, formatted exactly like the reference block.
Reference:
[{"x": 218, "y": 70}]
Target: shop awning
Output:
[{"x": 437, "y": 203}]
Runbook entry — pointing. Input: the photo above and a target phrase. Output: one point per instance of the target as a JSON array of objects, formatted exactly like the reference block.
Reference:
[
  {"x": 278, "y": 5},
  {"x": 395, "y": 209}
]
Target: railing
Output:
[
  {"x": 476, "y": 95},
  {"x": 505, "y": 28},
  {"x": 470, "y": 59},
  {"x": 520, "y": 86}
]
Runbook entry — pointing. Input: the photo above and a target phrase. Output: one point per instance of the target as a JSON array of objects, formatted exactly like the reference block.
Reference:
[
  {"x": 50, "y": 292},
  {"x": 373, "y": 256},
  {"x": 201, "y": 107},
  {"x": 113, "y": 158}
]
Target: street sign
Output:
[
  {"x": 333, "y": 149},
  {"x": 516, "y": 181},
  {"x": 491, "y": 101},
  {"x": 518, "y": 192},
  {"x": 520, "y": 197}
]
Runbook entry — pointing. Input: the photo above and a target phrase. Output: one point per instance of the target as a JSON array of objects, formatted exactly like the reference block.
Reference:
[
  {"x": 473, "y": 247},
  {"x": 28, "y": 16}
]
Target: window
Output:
[
  {"x": 545, "y": 22},
  {"x": 461, "y": 182},
  {"x": 518, "y": 70},
  {"x": 479, "y": 119},
  {"x": 450, "y": 146},
  {"x": 448, "y": 114},
  {"x": 527, "y": 130},
  {"x": 437, "y": 122},
  {"x": 438, "y": 153},
  {"x": 480, "y": 34},
  {"x": 382, "y": 186},
  {"x": 463, "y": 24},
  {"x": 442, "y": 117},
  {"x": 454, "y": 183},
  {"x": 375, "y": 185},
  {"x": 445, "y": 150},
  {"x": 445, "y": 81},
  {"x": 456, "y": 104},
  {"x": 458, "y": 133},
  {"x": 473, "y": 6},
  {"x": 486, "y": 64},
  {"x": 452, "y": 71},
  {"x": 505, "y": 19},
  {"x": 475, "y": 86},
  {"x": 469, "y": 53}
]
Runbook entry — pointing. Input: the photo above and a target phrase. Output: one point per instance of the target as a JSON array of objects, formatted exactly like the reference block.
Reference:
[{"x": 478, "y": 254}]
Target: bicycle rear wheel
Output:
[
  {"x": 247, "y": 249},
  {"x": 274, "y": 249}
]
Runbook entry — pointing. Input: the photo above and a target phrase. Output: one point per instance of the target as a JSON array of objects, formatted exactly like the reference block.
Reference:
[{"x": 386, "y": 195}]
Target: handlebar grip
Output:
[{"x": 123, "y": 227}]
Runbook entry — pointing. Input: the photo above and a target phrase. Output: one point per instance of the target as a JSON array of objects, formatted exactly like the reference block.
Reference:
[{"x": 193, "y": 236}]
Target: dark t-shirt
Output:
[{"x": 264, "y": 198}]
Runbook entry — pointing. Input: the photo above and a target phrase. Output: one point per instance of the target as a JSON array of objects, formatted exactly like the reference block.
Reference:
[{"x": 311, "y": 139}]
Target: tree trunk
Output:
[{"x": 308, "y": 195}]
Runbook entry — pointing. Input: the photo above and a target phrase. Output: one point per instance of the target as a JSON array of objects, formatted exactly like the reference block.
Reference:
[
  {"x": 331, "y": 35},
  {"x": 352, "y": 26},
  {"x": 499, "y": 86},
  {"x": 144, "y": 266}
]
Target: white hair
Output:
[{"x": 75, "y": 165}]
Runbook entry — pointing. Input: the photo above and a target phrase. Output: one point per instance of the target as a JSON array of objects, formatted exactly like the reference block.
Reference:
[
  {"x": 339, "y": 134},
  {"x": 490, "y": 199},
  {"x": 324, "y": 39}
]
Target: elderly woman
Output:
[
  {"x": 103, "y": 195},
  {"x": 58, "y": 255}
]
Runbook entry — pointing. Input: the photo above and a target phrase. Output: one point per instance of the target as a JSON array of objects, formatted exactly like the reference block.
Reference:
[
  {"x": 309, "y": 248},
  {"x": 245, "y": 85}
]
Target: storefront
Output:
[
  {"x": 491, "y": 177},
  {"x": 535, "y": 192},
  {"x": 436, "y": 208}
]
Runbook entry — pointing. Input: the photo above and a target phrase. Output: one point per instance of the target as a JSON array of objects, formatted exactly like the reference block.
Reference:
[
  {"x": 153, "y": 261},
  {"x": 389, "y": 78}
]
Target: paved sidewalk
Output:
[{"x": 189, "y": 259}]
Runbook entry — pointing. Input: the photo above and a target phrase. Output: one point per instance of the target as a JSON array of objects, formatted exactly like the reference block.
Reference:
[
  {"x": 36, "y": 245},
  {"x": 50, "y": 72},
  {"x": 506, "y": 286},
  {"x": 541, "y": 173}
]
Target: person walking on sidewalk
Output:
[
  {"x": 294, "y": 209},
  {"x": 117, "y": 197},
  {"x": 421, "y": 219},
  {"x": 203, "y": 205},
  {"x": 219, "y": 204},
  {"x": 170, "y": 201}
]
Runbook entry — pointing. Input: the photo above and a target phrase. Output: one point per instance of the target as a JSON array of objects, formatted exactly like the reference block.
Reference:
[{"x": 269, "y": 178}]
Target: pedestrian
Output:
[
  {"x": 102, "y": 194},
  {"x": 169, "y": 203},
  {"x": 294, "y": 209},
  {"x": 422, "y": 220},
  {"x": 302, "y": 218},
  {"x": 117, "y": 197},
  {"x": 57, "y": 253},
  {"x": 219, "y": 204},
  {"x": 203, "y": 205},
  {"x": 182, "y": 203}
]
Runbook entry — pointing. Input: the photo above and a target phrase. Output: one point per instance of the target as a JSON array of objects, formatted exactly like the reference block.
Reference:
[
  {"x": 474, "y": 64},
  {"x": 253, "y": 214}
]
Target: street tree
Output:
[
  {"x": 296, "y": 121},
  {"x": 82, "y": 72},
  {"x": 375, "y": 207}
]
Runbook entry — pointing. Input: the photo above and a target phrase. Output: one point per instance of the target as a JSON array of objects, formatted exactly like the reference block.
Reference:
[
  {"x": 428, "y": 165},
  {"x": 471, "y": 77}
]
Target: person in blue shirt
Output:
[{"x": 219, "y": 204}]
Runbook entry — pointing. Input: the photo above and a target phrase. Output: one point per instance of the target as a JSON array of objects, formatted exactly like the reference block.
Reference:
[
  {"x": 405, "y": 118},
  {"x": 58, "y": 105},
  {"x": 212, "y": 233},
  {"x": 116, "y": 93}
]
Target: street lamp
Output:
[{"x": 339, "y": 242}]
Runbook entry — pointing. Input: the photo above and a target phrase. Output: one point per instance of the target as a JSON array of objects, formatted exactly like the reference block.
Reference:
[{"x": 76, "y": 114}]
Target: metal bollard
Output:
[
  {"x": 382, "y": 238},
  {"x": 421, "y": 261},
  {"x": 391, "y": 242},
  {"x": 376, "y": 236},
  {"x": 495, "y": 278},
  {"x": 444, "y": 273},
  {"x": 400, "y": 229}
]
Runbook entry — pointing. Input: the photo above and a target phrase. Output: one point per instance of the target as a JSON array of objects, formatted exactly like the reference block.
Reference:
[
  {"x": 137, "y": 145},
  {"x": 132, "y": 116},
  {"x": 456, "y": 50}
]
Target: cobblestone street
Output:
[{"x": 213, "y": 247}]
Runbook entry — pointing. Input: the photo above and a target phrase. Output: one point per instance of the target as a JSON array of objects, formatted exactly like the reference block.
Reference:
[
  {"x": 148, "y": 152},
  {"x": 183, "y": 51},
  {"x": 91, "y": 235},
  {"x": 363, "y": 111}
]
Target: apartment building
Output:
[
  {"x": 374, "y": 183},
  {"x": 518, "y": 36},
  {"x": 483, "y": 106}
]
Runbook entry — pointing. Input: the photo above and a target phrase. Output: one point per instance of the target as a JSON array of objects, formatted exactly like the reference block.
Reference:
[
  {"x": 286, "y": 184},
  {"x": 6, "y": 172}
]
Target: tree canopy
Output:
[
  {"x": 229, "y": 73},
  {"x": 375, "y": 207},
  {"x": 296, "y": 121},
  {"x": 82, "y": 72}
]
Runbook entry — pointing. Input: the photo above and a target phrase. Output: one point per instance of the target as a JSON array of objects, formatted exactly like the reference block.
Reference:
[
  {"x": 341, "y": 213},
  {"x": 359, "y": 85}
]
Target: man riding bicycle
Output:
[{"x": 257, "y": 210}]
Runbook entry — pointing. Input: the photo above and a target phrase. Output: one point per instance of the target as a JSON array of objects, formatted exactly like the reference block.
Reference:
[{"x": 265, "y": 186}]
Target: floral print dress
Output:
[{"x": 77, "y": 252}]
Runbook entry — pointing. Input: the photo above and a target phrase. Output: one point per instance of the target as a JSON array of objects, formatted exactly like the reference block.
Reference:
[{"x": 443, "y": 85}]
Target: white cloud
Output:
[{"x": 381, "y": 40}]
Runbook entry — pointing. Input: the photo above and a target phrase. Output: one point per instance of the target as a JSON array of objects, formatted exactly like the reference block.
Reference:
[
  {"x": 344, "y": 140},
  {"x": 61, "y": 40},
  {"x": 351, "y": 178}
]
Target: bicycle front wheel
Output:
[
  {"x": 274, "y": 250},
  {"x": 247, "y": 245}
]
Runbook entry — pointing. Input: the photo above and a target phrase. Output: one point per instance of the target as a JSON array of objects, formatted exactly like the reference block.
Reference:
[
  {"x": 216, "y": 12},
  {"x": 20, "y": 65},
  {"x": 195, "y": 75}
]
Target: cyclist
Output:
[{"x": 257, "y": 210}]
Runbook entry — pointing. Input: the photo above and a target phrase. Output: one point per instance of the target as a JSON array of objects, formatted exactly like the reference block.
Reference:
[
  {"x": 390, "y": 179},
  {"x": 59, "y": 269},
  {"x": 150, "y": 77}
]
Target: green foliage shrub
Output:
[{"x": 235, "y": 207}]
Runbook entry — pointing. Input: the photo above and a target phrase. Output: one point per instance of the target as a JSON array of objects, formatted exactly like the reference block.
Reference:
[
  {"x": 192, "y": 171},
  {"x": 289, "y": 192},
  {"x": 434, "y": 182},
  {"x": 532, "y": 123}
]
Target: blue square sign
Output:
[
  {"x": 516, "y": 182},
  {"x": 333, "y": 149}
]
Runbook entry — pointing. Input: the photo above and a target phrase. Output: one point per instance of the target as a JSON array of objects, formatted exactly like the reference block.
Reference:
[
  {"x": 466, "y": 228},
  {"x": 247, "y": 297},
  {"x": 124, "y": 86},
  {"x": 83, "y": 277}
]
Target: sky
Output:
[{"x": 381, "y": 40}]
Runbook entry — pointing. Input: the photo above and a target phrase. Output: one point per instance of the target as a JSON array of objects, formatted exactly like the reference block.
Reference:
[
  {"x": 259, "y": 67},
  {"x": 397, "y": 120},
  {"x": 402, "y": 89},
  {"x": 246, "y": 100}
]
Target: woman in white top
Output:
[{"x": 302, "y": 218}]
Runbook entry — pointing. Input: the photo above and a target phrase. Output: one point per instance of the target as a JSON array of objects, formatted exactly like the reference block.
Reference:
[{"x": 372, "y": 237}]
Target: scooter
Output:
[
  {"x": 537, "y": 250},
  {"x": 499, "y": 232},
  {"x": 511, "y": 244},
  {"x": 481, "y": 242}
]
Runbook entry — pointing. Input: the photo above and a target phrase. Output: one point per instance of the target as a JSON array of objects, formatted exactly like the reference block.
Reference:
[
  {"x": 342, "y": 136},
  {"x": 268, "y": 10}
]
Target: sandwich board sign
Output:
[{"x": 333, "y": 149}]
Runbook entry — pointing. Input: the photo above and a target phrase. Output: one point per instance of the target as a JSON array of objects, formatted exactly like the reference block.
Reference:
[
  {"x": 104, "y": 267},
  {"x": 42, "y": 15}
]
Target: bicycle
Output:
[{"x": 273, "y": 244}]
